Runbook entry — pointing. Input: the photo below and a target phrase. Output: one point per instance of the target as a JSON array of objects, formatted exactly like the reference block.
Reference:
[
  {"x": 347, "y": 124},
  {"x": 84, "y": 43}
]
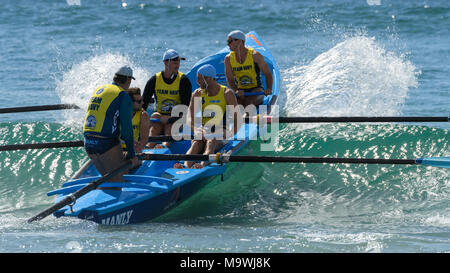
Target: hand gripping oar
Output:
[
  {"x": 219, "y": 158},
  {"x": 71, "y": 198},
  {"x": 38, "y": 108}
]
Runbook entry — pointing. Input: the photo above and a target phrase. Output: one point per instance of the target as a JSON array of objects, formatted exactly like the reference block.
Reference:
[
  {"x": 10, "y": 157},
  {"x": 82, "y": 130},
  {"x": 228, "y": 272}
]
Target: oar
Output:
[
  {"x": 443, "y": 162},
  {"x": 75, "y": 143},
  {"x": 47, "y": 145},
  {"x": 269, "y": 119},
  {"x": 38, "y": 108},
  {"x": 74, "y": 196}
]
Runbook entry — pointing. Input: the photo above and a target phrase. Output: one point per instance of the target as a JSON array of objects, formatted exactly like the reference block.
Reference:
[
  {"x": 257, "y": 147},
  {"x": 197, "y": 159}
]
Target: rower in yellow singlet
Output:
[
  {"x": 243, "y": 67},
  {"x": 170, "y": 88},
  {"x": 140, "y": 121},
  {"x": 107, "y": 119},
  {"x": 214, "y": 101}
]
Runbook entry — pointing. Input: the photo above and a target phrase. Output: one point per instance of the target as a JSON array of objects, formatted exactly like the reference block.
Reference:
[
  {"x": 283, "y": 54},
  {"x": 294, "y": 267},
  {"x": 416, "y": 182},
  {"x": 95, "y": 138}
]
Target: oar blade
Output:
[{"x": 443, "y": 162}]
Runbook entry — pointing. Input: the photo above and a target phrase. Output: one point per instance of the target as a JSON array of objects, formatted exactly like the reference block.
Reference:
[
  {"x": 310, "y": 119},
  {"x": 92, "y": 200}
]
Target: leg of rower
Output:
[
  {"x": 167, "y": 132},
  {"x": 212, "y": 146},
  {"x": 156, "y": 128},
  {"x": 109, "y": 161},
  {"x": 255, "y": 100},
  {"x": 197, "y": 147}
]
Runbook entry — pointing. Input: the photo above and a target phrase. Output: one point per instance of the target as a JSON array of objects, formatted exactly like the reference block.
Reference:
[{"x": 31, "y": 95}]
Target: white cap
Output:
[
  {"x": 237, "y": 34},
  {"x": 125, "y": 71}
]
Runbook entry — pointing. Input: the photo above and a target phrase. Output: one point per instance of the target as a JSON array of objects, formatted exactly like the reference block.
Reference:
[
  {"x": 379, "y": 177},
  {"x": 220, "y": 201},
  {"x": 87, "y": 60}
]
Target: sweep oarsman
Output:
[{"x": 108, "y": 119}]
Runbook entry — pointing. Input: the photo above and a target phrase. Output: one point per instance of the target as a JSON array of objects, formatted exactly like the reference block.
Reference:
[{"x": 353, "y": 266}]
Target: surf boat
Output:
[{"x": 156, "y": 187}]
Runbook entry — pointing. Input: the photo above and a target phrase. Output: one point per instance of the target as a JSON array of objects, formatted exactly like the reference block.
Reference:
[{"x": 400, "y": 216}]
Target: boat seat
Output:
[{"x": 133, "y": 181}]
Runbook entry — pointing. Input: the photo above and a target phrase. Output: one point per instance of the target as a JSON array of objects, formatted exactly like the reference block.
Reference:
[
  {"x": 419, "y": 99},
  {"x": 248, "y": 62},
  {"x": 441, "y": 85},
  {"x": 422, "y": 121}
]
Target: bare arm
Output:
[
  {"x": 144, "y": 130},
  {"x": 197, "y": 94},
  {"x": 259, "y": 59},
  {"x": 230, "y": 98},
  {"x": 229, "y": 74}
]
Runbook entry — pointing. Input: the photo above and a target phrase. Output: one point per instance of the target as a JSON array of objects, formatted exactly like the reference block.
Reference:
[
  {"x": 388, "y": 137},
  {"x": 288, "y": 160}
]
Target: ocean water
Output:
[{"x": 337, "y": 58}]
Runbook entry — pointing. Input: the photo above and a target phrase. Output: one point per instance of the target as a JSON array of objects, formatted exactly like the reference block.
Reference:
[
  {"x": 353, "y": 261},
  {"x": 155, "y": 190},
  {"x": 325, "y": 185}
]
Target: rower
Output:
[
  {"x": 107, "y": 119},
  {"x": 170, "y": 88},
  {"x": 214, "y": 100},
  {"x": 242, "y": 69},
  {"x": 140, "y": 121}
]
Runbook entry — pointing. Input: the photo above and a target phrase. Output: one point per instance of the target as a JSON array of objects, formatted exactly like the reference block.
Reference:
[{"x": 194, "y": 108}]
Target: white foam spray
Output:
[
  {"x": 357, "y": 77},
  {"x": 78, "y": 84},
  {"x": 73, "y": 2}
]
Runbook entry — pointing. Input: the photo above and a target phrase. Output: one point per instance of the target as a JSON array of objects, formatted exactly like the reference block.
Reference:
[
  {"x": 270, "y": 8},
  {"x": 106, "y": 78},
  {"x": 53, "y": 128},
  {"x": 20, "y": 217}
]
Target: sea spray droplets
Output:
[
  {"x": 73, "y": 2},
  {"x": 355, "y": 77},
  {"x": 78, "y": 84}
]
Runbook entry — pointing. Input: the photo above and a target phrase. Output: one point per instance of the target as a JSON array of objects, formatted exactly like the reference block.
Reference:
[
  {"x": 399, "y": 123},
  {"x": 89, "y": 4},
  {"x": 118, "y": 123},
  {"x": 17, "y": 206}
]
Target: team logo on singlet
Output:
[
  {"x": 91, "y": 121},
  {"x": 245, "y": 80},
  {"x": 100, "y": 91},
  {"x": 167, "y": 105}
]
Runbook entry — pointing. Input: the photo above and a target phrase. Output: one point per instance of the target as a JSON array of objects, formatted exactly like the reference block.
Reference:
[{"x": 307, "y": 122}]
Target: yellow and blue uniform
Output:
[
  {"x": 215, "y": 104},
  {"x": 247, "y": 74},
  {"x": 108, "y": 117},
  {"x": 179, "y": 84},
  {"x": 136, "y": 124},
  {"x": 167, "y": 95}
]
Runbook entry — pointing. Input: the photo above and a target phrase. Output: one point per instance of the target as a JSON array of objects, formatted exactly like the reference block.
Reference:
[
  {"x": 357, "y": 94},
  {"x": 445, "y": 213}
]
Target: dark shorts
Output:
[
  {"x": 96, "y": 145},
  {"x": 258, "y": 88}
]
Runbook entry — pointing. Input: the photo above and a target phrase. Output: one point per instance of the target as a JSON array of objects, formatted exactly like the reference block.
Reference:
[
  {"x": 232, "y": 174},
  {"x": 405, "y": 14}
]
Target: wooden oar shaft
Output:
[
  {"x": 280, "y": 159},
  {"x": 74, "y": 196},
  {"x": 38, "y": 108},
  {"x": 270, "y": 119}
]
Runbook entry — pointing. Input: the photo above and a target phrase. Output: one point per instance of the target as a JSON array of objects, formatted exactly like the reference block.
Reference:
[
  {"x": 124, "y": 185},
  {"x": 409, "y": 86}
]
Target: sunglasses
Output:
[
  {"x": 177, "y": 59},
  {"x": 138, "y": 101},
  {"x": 231, "y": 40}
]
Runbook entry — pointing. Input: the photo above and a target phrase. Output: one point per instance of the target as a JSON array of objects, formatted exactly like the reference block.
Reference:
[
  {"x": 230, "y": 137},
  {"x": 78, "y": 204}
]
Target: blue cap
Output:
[
  {"x": 237, "y": 34},
  {"x": 207, "y": 70},
  {"x": 171, "y": 54}
]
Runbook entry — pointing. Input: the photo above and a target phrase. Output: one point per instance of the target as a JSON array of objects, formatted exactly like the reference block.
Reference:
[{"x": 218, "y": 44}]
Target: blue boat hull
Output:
[
  {"x": 146, "y": 209},
  {"x": 155, "y": 187}
]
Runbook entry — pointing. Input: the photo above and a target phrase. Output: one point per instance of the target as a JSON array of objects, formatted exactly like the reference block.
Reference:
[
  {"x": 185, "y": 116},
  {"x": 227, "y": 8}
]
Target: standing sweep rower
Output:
[{"x": 107, "y": 119}]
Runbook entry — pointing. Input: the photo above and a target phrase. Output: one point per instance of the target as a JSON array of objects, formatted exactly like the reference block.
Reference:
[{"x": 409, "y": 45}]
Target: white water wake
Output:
[
  {"x": 78, "y": 84},
  {"x": 357, "y": 77}
]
